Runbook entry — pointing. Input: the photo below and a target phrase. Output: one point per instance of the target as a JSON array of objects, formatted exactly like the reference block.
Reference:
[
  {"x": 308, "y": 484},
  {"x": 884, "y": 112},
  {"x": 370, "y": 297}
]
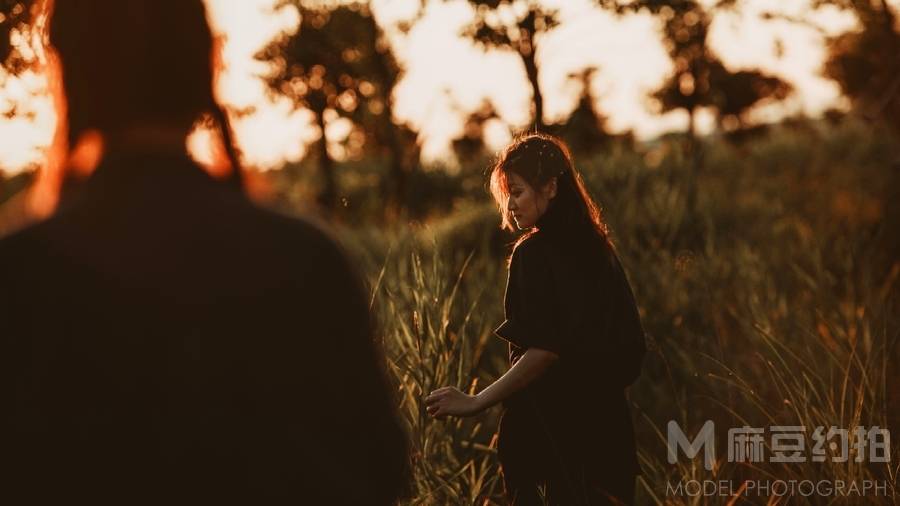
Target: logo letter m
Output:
[{"x": 705, "y": 439}]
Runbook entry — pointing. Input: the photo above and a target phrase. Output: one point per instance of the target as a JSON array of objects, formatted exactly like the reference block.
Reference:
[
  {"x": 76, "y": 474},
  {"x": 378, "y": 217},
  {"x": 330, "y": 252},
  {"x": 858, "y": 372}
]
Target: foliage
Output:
[
  {"x": 339, "y": 61},
  {"x": 15, "y": 16},
  {"x": 517, "y": 26},
  {"x": 865, "y": 62},
  {"x": 775, "y": 304},
  {"x": 438, "y": 335},
  {"x": 585, "y": 128},
  {"x": 469, "y": 146},
  {"x": 700, "y": 79}
]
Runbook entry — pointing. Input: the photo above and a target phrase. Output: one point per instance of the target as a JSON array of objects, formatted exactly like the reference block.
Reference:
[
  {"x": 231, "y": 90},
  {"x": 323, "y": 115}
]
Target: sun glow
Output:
[{"x": 435, "y": 93}]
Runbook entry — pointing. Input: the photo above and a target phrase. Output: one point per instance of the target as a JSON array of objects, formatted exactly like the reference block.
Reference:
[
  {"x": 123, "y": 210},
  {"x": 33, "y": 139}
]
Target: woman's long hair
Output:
[
  {"x": 538, "y": 158},
  {"x": 128, "y": 62}
]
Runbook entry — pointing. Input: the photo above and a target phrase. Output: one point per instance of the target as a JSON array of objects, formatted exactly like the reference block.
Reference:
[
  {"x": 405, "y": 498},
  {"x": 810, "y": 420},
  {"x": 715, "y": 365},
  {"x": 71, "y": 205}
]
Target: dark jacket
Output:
[
  {"x": 164, "y": 341},
  {"x": 568, "y": 293}
]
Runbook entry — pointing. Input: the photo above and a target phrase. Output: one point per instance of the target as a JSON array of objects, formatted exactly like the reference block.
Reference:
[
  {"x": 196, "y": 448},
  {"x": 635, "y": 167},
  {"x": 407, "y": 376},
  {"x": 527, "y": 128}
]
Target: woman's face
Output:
[{"x": 527, "y": 204}]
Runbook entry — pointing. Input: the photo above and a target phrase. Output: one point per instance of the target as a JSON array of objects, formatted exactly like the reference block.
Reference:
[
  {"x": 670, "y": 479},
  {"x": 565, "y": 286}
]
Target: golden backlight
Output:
[{"x": 435, "y": 93}]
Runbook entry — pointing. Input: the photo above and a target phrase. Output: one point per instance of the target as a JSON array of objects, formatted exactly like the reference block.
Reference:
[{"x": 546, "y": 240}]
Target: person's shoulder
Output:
[
  {"x": 532, "y": 242},
  {"x": 306, "y": 227},
  {"x": 531, "y": 249},
  {"x": 22, "y": 243},
  {"x": 306, "y": 238},
  {"x": 24, "y": 254}
]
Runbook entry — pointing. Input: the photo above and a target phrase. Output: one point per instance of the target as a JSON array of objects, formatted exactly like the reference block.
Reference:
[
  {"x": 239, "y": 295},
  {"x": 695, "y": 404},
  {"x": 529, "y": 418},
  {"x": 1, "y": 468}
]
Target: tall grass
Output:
[
  {"x": 773, "y": 302},
  {"x": 437, "y": 335}
]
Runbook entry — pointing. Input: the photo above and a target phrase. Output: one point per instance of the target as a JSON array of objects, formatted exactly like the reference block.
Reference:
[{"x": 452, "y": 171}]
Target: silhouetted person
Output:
[
  {"x": 162, "y": 340},
  {"x": 575, "y": 340}
]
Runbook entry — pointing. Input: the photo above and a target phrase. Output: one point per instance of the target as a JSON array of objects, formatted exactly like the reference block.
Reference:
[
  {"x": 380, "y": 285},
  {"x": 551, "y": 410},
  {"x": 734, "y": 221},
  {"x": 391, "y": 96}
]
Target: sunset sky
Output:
[{"x": 446, "y": 74}]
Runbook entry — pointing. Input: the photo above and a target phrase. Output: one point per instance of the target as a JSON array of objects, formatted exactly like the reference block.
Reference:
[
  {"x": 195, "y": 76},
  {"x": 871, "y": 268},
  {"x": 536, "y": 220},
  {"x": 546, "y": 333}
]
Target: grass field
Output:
[{"x": 773, "y": 302}]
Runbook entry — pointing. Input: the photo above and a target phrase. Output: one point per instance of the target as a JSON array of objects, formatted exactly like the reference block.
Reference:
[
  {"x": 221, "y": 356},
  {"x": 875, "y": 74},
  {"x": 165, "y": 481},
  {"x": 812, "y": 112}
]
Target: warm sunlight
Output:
[
  {"x": 482, "y": 252},
  {"x": 434, "y": 91}
]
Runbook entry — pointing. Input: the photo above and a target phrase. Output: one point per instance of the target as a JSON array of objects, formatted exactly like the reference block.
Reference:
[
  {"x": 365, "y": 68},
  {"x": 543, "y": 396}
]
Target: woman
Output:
[{"x": 575, "y": 340}]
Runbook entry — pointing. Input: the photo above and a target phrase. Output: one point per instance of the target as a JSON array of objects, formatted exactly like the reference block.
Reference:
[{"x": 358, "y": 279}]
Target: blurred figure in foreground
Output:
[
  {"x": 162, "y": 340},
  {"x": 575, "y": 340}
]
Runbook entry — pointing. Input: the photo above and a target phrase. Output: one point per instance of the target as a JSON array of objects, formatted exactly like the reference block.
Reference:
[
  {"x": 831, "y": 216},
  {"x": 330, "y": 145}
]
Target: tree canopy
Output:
[
  {"x": 15, "y": 16},
  {"x": 339, "y": 60},
  {"x": 699, "y": 78},
  {"x": 516, "y": 26},
  {"x": 866, "y": 62}
]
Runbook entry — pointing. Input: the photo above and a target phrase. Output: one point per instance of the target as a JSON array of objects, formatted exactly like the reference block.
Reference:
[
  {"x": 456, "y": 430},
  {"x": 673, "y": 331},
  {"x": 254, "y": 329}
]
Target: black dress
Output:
[
  {"x": 163, "y": 341},
  {"x": 570, "y": 431}
]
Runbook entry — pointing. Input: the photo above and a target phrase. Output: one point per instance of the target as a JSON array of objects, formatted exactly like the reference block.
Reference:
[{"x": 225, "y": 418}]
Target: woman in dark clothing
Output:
[{"x": 575, "y": 340}]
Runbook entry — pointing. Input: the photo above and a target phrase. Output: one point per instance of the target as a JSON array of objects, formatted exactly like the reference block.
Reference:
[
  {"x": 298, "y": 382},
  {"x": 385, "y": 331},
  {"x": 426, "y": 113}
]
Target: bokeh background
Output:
[{"x": 744, "y": 152}]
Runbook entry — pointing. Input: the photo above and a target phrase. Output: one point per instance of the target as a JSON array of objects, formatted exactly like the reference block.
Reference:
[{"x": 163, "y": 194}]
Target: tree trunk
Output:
[
  {"x": 531, "y": 70},
  {"x": 399, "y": 175},
  {"x": 327, "y": 197},
  {"x": 692, "y": 126},
  {"x": 399, "y": 179},
  {"x": 695, "y": 160}
]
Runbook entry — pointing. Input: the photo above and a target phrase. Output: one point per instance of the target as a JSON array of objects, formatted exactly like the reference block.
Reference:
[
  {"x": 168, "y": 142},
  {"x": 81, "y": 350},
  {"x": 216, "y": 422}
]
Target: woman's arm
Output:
[{"x": 450, "y": 401}]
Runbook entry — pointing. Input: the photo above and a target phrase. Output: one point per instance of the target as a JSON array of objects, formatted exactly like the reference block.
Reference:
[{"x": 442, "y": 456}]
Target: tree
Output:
[
  {"x": 386, "y": 138},
  {"x": 700, "y": 79},
  {"x": 866, "y": 63},
  {"x": 339, "y": 60},
  {"x": 738, "y": 92},
  {"x": 469, "y": 145},
  {"x": 517, "y": 26},
  {"x": 585, "y": 128},
  {"x": 689, "y": 87},
  {"x": 15, "y": 16}
]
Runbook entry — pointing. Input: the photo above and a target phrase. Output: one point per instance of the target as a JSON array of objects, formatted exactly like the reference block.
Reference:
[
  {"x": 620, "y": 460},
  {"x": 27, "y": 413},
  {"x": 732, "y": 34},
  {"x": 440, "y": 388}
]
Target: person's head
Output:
[
  {"x": 534, "y": 174},
  {"x": 135, "y": 70},
  {"x": 133, "y": 63}
]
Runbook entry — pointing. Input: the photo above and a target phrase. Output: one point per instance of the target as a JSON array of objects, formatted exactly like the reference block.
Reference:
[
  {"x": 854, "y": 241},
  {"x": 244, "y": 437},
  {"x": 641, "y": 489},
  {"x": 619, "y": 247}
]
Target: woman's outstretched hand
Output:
[{"x": 450, "y": 401}]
